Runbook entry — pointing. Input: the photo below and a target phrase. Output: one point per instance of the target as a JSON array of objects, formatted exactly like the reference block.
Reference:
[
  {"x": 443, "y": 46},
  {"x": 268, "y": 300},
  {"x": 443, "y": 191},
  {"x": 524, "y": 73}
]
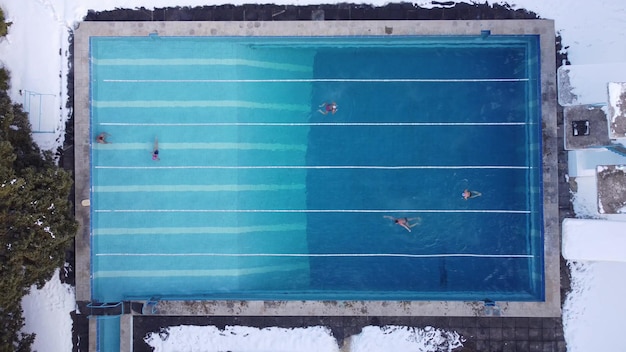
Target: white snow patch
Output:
[
  {"x": 47, "y": 229},
  {"x": 402, "y": 338},
  {"x": 584, "y": 201},
  {"x": 313, "y": 339},
  {"x": 615, "y": 92},
  {"x": 47, "y": 313},
  {"x": 242, "y": 338},
  {"x": 589, "y": 82},
  {"x": 594, "y": 240},
  {"x": 594, "y": 313}
]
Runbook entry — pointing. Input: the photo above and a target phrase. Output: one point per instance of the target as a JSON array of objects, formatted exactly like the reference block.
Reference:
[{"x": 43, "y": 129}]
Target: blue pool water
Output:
[
  {"x": 259, "y": 196},
  {"x": 108, "y": 333}
]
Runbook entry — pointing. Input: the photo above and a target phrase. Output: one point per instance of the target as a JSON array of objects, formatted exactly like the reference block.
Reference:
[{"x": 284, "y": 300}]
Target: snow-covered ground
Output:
[
  {"x": 47, "y": 313},
  {"x": 35, "y": 51},
  {"x": 312, "y": 339}
]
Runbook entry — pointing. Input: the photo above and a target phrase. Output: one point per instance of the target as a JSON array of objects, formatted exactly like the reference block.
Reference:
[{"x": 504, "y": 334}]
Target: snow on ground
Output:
[
  {"x": 616, "y": 89},
  {"x": 589, "y": 83},
  {"x": 240, "y": 338},
  {"x": 399, "y": 338},
  {"x": 608, "y": 240},
  {"x": 35, "y": 51},
  {"x": 592, "y": 30},
  {"x": 593, "y": 313},
  {"x": 47, "y": 313},
  {"x": 311, "y": 339}
]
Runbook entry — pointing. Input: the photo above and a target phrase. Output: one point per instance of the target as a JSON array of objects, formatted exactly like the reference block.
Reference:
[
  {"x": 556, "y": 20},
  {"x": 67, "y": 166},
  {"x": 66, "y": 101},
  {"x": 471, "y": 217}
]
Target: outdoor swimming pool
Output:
[{"x": 257, "y": 195}]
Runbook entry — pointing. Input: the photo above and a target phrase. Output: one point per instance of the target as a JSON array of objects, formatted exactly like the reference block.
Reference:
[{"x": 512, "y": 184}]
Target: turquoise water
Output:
[
  {"x": 258, "y": 196},
  {"x": 108, "y": 333}
]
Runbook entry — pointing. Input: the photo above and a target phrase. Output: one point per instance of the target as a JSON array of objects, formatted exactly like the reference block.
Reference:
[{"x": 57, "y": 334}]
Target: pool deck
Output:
[{"x": 550, "y": 308}]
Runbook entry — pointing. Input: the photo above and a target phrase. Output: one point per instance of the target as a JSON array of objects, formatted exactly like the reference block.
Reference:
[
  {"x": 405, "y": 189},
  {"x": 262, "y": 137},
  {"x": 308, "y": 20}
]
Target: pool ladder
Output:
[
  {"x": 97, "y": 309},
  {"x": 490, "y": 309}
]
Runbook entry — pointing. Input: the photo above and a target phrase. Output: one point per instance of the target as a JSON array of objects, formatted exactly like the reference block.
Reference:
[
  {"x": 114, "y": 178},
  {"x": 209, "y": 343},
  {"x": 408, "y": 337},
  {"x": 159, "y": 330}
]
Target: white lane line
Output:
[
  {"x": 220, "y": 230},
  {"x": 458, "y": 255},
  {"x": 490, "y": 211},
  {"x": 155, "y": 104},
  {"x": 306, "y": 80},
  {"x": 318, "y": 124},
  {"x": 340, "y": 167},
  {"x": 200, "y": 188},
  {"x": 204, "y": 146}
]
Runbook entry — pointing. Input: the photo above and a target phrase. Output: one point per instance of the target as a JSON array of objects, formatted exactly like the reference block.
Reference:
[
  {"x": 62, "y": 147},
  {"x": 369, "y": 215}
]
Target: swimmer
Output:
[
  {"x": 467, "y": 194},
  {"x": 404, "y": 222},
  {"x": 155, "y": 150},
  {"x": 328, "y": 107},
  {"x": 102, "y": 138}
]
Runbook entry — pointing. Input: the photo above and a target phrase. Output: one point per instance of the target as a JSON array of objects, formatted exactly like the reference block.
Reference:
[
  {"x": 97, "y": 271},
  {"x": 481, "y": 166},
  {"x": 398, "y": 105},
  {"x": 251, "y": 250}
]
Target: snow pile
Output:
[
  {"x": 47, "y": 313},
  {"x": 242, "y": 339},
  {"x": 311, "y": 339},
  {"x": 584, "y": 201},
  {"x": 588, "y": 83},
  {"x": 615, "y": 93},
  {"x": 594, "y": 312},
  {"x": 594, "y": 240},
  {"x": 587, "y": 27},
  {"x": 400, "y": 338}
]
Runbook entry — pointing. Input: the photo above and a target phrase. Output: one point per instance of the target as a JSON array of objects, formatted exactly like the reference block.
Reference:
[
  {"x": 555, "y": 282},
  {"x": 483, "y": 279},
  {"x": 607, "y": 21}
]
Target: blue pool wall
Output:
[{"x": 386, "y": 284}]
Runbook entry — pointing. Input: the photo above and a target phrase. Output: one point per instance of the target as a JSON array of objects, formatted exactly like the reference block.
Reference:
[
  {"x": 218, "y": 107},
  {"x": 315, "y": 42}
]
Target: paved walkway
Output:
[{"x": 481, "y": 334}]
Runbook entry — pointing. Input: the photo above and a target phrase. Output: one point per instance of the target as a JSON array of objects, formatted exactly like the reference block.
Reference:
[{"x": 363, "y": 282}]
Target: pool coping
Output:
[{"x": 551, "y": 307}]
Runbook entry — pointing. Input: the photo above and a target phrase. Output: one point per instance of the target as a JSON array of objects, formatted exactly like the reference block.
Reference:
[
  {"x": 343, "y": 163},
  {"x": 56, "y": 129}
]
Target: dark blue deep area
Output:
[{"x": 422, "y": 189}]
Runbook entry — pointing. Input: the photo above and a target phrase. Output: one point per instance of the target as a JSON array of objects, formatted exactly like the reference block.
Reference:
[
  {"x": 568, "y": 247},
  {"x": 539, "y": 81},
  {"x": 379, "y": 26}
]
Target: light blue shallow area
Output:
[{"x": 259, "y": 195}]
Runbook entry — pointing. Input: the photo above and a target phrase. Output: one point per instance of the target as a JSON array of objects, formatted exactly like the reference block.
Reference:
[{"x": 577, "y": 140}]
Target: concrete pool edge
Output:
[{"x": 551, "y": 307}]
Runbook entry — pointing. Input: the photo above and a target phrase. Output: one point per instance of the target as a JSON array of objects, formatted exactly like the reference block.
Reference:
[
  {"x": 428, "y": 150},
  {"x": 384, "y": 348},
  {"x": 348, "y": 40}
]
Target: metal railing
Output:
[{"x": 38, "y": 106}]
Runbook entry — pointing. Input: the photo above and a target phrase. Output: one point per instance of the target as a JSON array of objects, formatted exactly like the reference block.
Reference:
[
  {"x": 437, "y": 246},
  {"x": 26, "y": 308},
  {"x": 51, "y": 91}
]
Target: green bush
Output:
[
  {"x": 4, "y": 26},
  {"x": 36, "y": 220}
]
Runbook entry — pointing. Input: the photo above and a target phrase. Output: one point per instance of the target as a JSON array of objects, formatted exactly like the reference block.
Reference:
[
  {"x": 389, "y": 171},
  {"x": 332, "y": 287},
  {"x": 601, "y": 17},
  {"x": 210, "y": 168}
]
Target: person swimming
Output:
[
  {"x": 155, "y": 150},
  {"x": 102, "y": 138},
  {"x": 467, "y": 194},
  {"x": 328, "y": 107},
  {"x": 404, "y": 222}
]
